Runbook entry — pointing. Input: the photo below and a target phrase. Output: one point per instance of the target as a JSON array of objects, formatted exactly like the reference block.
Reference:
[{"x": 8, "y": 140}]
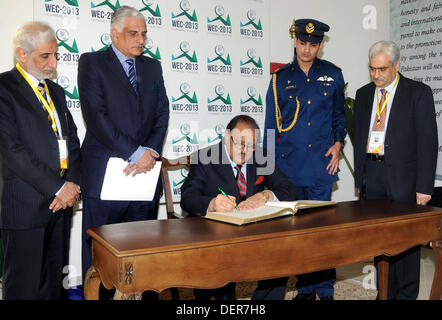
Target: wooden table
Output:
[{"x": 199, "y": 253}]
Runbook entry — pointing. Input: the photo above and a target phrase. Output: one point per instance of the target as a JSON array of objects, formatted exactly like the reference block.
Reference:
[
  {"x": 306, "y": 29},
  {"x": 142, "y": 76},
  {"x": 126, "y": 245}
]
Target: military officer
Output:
[{"x": 305, "y": 108}]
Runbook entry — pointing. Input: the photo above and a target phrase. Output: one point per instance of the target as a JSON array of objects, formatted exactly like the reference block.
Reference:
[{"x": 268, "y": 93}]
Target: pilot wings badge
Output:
[{"x": 326, "y": 80}]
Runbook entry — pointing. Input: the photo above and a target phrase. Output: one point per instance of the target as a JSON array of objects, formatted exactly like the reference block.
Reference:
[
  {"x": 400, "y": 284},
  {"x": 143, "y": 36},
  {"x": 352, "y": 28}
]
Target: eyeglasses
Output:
[
  {"x": 248, "y": 147},
  {"x": 134, "y": 34},
  {"x": 381, "y": 69}
]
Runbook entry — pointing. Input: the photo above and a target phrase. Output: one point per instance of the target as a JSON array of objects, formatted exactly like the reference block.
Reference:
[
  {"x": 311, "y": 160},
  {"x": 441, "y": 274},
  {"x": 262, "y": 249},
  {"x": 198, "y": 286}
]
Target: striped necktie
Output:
[
  {"x": 380, "y": 122},
  {"x": 241, "y": 181},
  {"x": 132, "y": 76},
  {"x": 41, "y": 88}
]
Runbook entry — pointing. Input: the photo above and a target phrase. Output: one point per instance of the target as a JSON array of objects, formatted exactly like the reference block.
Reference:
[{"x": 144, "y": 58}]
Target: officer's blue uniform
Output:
[
  {"x": 300, "y": 152},
  {"x": 321, "y": 120}
]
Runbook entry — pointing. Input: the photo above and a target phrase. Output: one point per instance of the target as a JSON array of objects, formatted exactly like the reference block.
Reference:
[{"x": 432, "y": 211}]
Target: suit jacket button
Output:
[
  {"x": 310, "y": 145},
  {"x": 282, "y": 155},
  {"x": 308, "y": 79},
  {"x": 309, "y": 124},
  {"x": 309, "y": 101}
]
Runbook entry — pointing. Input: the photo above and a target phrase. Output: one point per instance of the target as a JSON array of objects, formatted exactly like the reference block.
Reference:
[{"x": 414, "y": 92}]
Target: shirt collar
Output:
[{"x": 121, "y": 56}]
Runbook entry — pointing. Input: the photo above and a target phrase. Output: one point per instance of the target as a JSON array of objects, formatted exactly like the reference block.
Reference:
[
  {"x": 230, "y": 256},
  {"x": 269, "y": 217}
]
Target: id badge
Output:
[
  {"x": 63, "y": 152},
  {"x": 376, "y": 142}
]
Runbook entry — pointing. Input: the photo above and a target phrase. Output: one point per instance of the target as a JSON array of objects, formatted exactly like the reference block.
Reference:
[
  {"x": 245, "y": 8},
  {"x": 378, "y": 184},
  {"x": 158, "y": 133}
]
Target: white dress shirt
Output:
[{"x": 391, "y": 90}]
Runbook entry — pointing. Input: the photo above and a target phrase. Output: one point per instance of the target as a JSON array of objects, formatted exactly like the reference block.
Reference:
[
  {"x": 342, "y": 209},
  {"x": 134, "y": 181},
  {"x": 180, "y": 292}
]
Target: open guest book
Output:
[{"x": 269, "y": 211}]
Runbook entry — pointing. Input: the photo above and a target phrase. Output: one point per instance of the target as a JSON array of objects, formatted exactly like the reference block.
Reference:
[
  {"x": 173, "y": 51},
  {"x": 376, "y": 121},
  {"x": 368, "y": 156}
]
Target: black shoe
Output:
[
  {"x": 306, "y": 296},
  {"x": 327, "y": 298}
]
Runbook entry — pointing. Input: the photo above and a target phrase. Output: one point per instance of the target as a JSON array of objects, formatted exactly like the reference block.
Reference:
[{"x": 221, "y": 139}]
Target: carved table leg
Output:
[
  {"x": 92, "y": 284},
  {"x": 436, "y": 289},
  {"x": 383, "y": 277}
]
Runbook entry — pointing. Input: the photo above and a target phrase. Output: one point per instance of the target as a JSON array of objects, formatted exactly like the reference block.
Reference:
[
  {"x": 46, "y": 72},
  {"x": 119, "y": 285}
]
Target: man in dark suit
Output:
[
  {"x": 232, "y": 166},
  {"x": 126, "y": 111},
  {"x": 40, "y": 154},
  {"x": 395, "y": 149}
]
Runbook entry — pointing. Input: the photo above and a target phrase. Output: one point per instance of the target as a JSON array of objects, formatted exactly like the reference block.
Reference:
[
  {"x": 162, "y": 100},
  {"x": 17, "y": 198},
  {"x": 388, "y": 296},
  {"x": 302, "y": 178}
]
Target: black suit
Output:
[
  {"x": 118, "y": 122},
  {"x": 410, "y": 151},
  {"x": 203, "y": 181},
  {"x": 32, "y": 176},
  {"x": 201, "y": 186}
]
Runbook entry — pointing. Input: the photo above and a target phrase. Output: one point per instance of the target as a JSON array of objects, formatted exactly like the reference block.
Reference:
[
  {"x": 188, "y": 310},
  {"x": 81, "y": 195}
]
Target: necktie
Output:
[
  {"x": 41, "y": 88},
  {"x": 241, "y": 181},
  {"x": 379, "y": 124},
  {"x": 379, "y": 121},
  {"x": 132, "y": 76}
]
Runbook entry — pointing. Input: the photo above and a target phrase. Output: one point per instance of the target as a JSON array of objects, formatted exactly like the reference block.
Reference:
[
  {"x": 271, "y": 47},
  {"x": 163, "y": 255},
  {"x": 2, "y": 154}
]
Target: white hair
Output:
[
  {"x": 117, "y": 19},
  {"x": 388, "y": 47},
  {"x": 30, "y": 34}
]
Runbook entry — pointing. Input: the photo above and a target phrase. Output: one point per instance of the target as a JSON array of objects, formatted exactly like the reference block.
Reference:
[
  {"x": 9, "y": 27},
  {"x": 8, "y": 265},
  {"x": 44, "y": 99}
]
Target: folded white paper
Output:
[{"x": 118, "y": 186}]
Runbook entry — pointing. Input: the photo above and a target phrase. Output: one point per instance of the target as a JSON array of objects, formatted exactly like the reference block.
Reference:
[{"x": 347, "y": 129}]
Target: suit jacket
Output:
[
  {"x": 29, "y": 152},
  {"x": 411, "y": 140},
  {"x": 117, "y": 120},
  {"x": 203, "y": 181}
]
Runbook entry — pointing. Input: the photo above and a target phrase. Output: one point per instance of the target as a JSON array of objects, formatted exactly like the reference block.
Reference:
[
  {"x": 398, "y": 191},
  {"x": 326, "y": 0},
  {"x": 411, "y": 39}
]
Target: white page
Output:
[
  {"x": 300, "y": 204},
  {"x": 252, "y": 213},
  {"x": 118, "y": 186}
]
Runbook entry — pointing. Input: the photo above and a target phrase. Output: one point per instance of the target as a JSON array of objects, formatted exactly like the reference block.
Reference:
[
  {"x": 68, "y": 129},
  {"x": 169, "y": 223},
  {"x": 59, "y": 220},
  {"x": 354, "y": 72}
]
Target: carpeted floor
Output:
[{"x": 344, "y": 290}]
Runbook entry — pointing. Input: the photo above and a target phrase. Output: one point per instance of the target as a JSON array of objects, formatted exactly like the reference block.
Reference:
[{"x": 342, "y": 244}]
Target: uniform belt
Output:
[{"x": 375, "y": 157}]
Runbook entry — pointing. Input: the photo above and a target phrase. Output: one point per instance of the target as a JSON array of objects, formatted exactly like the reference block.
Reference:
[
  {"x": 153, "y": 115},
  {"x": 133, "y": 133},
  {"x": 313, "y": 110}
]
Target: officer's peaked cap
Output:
[{"x": 310, "y": 30}]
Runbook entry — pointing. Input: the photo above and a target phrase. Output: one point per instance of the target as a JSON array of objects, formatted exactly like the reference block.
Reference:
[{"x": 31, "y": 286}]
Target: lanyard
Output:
[
  {"x": 49, "y": 107},
  {"x": 378, "y": 112}
]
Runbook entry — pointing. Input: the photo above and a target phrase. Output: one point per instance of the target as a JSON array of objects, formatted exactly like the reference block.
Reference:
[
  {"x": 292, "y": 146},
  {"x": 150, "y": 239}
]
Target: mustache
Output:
[
  {"x": 49, "y": 69},
  {"x": 48, "y": 73}
]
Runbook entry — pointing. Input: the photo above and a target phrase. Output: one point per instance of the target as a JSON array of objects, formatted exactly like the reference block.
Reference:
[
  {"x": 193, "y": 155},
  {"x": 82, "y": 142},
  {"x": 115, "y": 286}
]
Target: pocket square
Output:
[{"x": 259, "y": 180}]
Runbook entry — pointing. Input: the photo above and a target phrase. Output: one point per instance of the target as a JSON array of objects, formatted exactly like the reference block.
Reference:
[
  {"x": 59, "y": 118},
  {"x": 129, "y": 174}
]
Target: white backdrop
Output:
[
  {"x": 355, "y": 25},
  {"x": 215, "y": 59}
]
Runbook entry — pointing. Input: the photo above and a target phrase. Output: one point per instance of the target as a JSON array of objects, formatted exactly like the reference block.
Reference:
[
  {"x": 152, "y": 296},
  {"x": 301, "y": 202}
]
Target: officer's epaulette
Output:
[
  {"x": 330, "y": 64},
  {"x": 281, "y": 68}
]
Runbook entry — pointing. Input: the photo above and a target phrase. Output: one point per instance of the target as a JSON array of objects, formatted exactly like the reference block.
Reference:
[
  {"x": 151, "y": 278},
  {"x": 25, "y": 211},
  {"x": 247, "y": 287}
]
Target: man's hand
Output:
[
  {"x": 255, "y": 201},
  {"x": 68, "y": 196},
  {"x": 222, "y": 203},
  {"x": 422, "y": 199},
  {"x": 144, "y": 164},
  {"x": 335, "y": 151}
]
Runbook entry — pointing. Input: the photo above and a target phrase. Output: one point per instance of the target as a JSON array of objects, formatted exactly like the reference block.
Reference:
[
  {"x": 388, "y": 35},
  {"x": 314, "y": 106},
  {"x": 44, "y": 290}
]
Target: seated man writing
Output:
[{"x": 232, "y": 166}]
